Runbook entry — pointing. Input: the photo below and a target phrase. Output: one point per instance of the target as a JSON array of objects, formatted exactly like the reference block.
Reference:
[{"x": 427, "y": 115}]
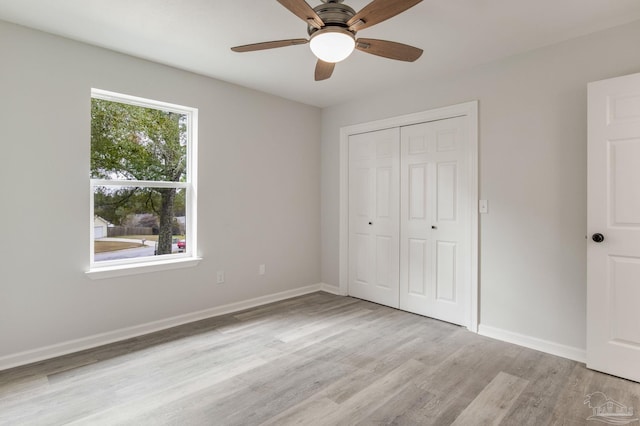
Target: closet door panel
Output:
[
  {"x": 434, "y": 273},
  {"x": 374, "y": 209}
]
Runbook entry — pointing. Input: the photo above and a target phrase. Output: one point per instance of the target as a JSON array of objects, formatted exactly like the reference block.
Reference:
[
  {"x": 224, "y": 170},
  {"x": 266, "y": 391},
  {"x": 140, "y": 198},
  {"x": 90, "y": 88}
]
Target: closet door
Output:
[
  {"x": 374, "y": 204},
  {"x": 434, "y": 241}
]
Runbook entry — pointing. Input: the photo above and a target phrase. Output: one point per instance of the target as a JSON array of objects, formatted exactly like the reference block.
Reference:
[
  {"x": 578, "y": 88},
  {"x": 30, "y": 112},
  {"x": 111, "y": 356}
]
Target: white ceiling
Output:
[{"x": 196, "y": 35}]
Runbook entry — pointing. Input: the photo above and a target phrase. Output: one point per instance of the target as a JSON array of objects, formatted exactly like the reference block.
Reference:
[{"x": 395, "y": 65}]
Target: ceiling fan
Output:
[{"x": 332, "y": 28}]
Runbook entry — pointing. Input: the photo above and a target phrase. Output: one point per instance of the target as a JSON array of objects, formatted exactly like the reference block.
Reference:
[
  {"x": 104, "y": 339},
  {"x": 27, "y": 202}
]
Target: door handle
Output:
[{"x": 598, "y": 238}]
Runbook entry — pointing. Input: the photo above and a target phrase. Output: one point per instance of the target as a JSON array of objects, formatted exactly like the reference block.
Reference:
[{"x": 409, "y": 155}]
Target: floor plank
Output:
[{"x": 492, "y": 404}]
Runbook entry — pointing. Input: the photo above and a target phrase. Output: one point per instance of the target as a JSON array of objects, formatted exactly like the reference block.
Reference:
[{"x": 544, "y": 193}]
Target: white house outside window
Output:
[{"x": 142, "y": 184}]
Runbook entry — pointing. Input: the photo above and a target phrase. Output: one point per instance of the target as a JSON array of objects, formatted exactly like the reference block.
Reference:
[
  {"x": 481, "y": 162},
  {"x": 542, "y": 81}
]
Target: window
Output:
[{"x": 143, "y": 190}]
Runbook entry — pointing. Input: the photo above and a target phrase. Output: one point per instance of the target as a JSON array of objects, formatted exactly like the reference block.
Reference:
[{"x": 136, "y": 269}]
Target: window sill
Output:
[{"x": 141, "y": 268}]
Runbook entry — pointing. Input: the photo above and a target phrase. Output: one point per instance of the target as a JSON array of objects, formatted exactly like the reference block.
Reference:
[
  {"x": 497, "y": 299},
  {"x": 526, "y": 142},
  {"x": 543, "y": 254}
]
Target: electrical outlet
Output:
[
  {"x": 220, "y": 277},
  {"x": 261, "y": 269},
  {"x": 483, "y": 206}
]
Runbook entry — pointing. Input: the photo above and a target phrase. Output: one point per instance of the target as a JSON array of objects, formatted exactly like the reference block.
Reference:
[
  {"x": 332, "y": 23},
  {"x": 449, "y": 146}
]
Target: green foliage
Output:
[
  {"x": 115, "y": 205},
  {"x": 132, "y": 142}
]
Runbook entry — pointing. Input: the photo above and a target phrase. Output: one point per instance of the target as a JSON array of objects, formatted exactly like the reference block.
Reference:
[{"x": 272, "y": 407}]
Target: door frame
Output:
[{"x": 468, "y": 109}]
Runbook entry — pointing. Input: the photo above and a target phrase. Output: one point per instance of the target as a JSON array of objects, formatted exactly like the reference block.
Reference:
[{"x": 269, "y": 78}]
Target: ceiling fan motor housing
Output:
[{"x": 334, "y": 14}]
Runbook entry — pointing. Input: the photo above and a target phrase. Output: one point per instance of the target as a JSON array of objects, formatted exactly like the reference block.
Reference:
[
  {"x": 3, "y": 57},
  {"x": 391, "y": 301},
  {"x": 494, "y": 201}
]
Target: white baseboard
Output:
[
  {"x": 76, "y": 345},
  {"x": 333, "y": 289},
  {"x": 541, "y": 345}
]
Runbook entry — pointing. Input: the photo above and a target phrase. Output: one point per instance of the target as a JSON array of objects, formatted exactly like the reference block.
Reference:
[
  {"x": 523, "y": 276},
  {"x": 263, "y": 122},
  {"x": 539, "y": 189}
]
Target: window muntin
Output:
[{"x": 142, "y": 181}]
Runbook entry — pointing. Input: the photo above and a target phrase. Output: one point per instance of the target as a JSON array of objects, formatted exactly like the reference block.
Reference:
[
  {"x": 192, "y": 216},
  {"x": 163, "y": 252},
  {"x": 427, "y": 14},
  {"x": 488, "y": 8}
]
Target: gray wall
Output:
[
  {"x": 532, "y": 161},
  {"x": 259, "y": 200}
]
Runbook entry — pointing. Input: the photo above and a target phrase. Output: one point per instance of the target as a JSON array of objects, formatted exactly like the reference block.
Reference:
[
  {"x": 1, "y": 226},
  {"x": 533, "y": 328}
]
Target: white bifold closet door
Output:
[
  {"x": 434, "y": 225},
  {"x": 374, "y": 216},
  {"x": 409, "y": 219}
]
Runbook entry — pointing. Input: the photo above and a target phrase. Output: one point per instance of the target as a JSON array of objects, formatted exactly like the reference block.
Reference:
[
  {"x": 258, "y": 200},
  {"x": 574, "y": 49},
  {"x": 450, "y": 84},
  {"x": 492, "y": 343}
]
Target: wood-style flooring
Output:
[{"x": 318, "y": 359}]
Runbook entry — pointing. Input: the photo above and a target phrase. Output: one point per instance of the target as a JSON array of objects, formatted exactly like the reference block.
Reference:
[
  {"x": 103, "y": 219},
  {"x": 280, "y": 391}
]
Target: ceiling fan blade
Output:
[
  {"x": 302, "y": 10},
  {"x": 388, "y": 49},
  {"x": 378, "y": 11},
  {"x": 324, "y": 70},
  {"x": 269, "y": 45}
]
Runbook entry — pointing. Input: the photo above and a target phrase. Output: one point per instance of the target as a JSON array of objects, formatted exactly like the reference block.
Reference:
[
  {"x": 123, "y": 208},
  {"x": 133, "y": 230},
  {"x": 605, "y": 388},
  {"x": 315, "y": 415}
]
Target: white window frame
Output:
[{"x": 113, "y": 268}]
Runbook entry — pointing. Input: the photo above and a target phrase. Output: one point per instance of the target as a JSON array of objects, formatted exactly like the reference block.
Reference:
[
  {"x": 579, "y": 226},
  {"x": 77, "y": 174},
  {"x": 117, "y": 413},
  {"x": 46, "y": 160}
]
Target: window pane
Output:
[
  {"x": 135, "y": 222},
  {"x": 130, "y": 142}
]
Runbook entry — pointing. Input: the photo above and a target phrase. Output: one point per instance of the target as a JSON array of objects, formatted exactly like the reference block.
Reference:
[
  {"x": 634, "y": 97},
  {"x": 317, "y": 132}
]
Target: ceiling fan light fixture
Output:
[{"x": 332, "y": 44}]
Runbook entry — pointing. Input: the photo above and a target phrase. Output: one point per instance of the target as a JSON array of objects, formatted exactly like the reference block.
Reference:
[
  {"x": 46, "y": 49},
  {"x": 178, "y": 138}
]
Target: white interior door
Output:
[
  {"x": 374, "y": 206},
  {"x": 613, "y": 265},
  {"x": 435, "y": 222}
]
